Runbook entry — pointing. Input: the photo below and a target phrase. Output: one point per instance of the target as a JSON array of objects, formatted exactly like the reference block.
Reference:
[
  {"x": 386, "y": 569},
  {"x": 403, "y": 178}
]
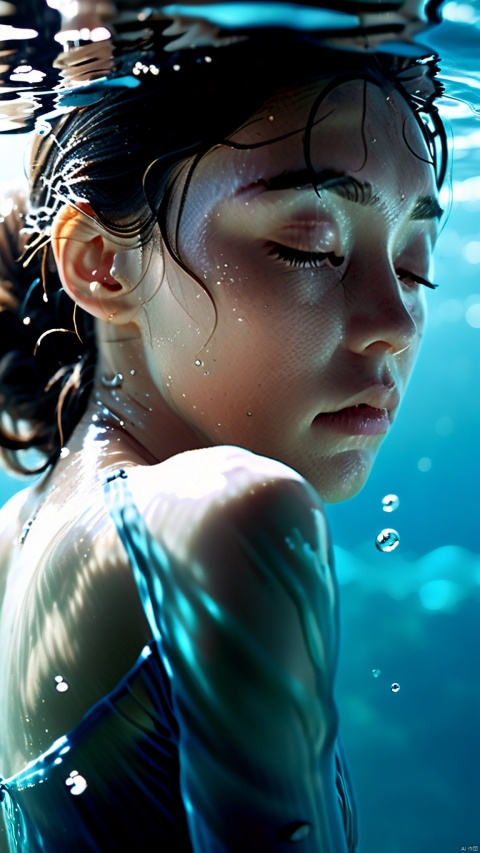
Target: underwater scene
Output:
[{"x": 407, "y": 548}]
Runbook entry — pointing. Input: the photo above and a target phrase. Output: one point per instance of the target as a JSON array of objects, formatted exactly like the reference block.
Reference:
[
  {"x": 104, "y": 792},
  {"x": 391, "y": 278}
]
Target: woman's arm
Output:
[{"x": 249, "y": 621}]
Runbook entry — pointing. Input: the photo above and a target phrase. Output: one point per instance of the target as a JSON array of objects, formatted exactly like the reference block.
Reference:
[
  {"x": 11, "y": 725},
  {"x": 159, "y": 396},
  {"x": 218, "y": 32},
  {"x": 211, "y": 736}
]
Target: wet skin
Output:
[{"x": 317, "y": 302}]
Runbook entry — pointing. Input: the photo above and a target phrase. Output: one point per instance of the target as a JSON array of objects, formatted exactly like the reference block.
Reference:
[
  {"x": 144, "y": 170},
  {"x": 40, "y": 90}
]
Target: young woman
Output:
[{"x": 243, "y": 245}]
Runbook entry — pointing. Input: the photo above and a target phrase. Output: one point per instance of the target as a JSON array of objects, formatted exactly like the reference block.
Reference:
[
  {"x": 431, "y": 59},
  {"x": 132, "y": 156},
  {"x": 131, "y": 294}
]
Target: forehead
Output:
[{"x": 356, "y": 127}]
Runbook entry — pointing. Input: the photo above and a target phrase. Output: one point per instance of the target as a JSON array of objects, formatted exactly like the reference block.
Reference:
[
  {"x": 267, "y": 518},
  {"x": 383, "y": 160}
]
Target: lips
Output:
[{"x": 360, "y": 419}]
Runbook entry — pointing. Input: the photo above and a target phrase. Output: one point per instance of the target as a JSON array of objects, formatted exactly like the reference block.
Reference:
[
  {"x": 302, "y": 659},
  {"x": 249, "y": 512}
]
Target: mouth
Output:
[{"x": 361, "y": 419}]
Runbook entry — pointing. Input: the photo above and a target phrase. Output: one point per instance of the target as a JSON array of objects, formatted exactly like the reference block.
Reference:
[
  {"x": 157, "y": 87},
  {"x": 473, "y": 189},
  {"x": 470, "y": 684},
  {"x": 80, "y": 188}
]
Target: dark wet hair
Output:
[{"x": 119, "y": 149}]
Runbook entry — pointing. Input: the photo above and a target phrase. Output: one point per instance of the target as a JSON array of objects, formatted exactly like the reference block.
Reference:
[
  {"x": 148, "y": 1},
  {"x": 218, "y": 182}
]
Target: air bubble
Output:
[
  {"x": 390, "y": 503},
  {"x": 395, "y": 687},
  {"x": 376, "y": 672},
  {"x": 387, "y": 540},
  {"x": 64, "y": 453},
  {"x": 26, "y": 321},
  {"x": 424, "y": 464}
]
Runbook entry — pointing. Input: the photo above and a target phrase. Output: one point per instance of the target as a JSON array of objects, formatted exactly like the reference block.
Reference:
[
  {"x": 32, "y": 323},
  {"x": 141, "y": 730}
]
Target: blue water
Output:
[{"x": 414, "y": 613}]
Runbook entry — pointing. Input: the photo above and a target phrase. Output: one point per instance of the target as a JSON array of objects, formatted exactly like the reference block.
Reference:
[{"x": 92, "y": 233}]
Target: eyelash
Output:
[
  {"x": 298, "y": 258},
  {"x": 418, "y": 279}
]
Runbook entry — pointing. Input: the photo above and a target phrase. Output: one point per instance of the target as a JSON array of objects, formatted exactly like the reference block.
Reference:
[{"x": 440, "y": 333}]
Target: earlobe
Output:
[{"x": 102, "y": 275}]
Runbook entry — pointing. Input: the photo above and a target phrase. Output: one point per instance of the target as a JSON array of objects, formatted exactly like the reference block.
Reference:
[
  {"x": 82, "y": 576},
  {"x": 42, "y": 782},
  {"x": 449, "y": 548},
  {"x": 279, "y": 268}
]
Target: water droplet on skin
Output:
[
  {"x": 26, "y": 529},
  {"x": 271, "y": 118},
  {"x": 61, "y": 685},
  {"x": 133, "y": 372},
  {"x": 249, "y": 414},
  {"x": 395, "y": 687},
  {"x": 115, "y": 382},
  {"x": 376, "y": 672},
  {"x": 390, "y": 503},
  {"x": 387, "y": 540},
  {"x": 76, "y": 783},
  {"x": 64, "y": 453},
  {"x": 198, "y": 363}
]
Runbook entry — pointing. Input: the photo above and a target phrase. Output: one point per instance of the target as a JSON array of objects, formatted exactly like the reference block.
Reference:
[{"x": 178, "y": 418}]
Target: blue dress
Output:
[{"x": 146, "y": 768}]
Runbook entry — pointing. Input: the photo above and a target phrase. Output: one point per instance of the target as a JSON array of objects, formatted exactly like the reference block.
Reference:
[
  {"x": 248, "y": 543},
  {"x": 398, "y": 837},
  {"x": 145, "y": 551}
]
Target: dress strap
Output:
[{"x": 146, "y": 556}]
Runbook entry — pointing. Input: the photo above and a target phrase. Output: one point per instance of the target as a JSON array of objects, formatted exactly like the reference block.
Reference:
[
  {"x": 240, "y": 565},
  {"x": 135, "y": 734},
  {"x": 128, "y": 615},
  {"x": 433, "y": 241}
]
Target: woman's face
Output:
[{"x": 319, "y": 301}]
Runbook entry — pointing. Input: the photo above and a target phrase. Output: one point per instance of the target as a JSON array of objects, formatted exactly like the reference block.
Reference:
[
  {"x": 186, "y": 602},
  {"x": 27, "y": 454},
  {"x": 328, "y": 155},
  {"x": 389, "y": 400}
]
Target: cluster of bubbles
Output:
[
  {"x": 388, "y": 538},
  {"x": 61, "y": 685}
]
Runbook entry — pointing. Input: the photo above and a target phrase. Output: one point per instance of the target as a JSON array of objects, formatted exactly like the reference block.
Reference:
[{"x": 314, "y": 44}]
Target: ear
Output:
[{"x": 109, "y": 277}]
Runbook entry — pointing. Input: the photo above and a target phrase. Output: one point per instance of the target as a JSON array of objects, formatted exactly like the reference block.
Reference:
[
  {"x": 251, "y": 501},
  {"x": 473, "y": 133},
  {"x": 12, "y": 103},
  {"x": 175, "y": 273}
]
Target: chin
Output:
[{"x": 342, "y": 477}]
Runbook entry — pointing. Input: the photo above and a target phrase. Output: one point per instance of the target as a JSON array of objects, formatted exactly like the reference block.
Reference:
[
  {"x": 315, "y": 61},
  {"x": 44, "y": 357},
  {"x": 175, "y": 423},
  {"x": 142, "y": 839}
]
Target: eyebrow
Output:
[{"x": 348, "y": 187}]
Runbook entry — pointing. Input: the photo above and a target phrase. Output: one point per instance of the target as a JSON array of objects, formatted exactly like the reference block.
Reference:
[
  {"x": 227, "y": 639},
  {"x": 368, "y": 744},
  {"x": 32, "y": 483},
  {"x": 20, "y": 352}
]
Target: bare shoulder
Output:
[
  {"x": 195, "y": 494},
  {"x": 248, "y": 552}
]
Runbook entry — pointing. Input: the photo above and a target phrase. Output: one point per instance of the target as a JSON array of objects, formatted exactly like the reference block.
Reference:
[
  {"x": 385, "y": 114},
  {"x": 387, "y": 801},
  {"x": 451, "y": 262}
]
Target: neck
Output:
[{"x": 128, "y": 400}]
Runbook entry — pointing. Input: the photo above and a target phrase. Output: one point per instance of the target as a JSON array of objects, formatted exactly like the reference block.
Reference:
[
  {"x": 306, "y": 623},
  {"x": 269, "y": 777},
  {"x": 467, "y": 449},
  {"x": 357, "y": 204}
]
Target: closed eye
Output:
[
  {"x": 298, "y": 258},
  {"x": 407, "y": 277}
]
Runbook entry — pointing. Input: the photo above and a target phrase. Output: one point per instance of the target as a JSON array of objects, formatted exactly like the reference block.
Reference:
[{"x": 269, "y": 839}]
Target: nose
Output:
[{"x": 381, "y": 311}]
